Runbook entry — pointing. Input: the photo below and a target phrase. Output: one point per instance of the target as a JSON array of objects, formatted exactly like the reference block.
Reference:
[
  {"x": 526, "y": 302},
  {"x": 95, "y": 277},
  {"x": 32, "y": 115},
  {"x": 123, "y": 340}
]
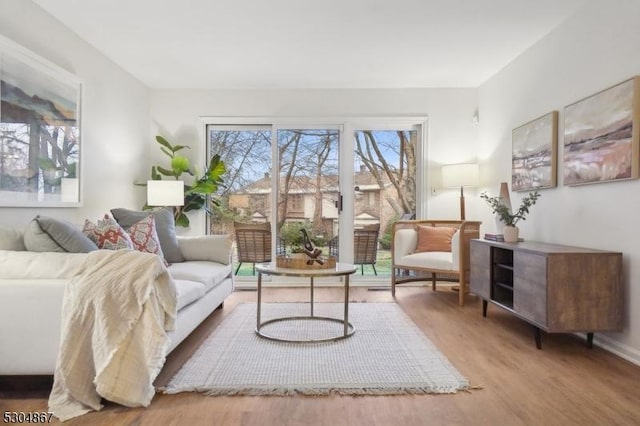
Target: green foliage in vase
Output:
[
  {"x": 198, "y": 194},
  {"x": 504, "y": 213}
]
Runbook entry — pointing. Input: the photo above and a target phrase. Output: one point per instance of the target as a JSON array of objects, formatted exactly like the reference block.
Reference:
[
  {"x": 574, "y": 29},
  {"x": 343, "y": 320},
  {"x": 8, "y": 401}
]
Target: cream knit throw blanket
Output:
[{"x": 113, "y": 340}]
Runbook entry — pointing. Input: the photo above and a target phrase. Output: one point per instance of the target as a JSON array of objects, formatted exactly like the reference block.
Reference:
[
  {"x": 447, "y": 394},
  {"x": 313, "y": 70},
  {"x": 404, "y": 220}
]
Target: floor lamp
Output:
[{"x": 459, "y": 176}]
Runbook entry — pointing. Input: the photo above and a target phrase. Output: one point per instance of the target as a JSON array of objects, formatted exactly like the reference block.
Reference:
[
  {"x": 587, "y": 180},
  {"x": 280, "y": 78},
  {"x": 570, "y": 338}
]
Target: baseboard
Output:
[{"x": 620, "y": 349}]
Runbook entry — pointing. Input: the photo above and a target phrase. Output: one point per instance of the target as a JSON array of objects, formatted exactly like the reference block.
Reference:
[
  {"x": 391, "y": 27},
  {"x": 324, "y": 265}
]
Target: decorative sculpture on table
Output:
[
  {"x": 309, "y": 257},
  {"x": 313, "y": 252}
]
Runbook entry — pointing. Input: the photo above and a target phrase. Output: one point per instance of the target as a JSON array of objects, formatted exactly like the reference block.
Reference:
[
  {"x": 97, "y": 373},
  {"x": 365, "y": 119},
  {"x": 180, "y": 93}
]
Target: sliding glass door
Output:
[
  {"x": 308, "y": 186},
  {"x": 384, "y": 191},
  {"x": 335, "y": 181}
]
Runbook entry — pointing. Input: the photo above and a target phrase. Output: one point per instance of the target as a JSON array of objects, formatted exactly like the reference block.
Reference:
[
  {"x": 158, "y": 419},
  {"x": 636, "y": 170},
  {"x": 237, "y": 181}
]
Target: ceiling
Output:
[{"x": 275, "y": 44}]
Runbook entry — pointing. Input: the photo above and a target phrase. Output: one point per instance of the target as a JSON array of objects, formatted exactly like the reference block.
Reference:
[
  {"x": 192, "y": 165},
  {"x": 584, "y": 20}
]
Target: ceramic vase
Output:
[
  {"x": 511, "y": 234},
  {"x": 504, "y": 199}
]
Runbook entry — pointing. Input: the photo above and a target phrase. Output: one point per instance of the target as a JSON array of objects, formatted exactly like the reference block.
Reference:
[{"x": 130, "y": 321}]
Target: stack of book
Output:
[
  {"x": 497, "y": 237},
  {"x": 494, "y": 237}
]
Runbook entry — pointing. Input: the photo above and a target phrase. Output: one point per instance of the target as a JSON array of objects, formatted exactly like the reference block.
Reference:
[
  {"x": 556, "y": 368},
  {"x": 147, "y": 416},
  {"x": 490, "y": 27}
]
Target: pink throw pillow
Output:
[
  {"x": 107, "y": 234},
  {"x": 145, "y": 237}
]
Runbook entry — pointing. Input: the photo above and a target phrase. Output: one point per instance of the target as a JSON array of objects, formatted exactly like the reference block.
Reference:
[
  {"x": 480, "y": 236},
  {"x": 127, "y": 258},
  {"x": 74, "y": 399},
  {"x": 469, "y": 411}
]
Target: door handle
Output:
[{"x": 338, "y": 203}]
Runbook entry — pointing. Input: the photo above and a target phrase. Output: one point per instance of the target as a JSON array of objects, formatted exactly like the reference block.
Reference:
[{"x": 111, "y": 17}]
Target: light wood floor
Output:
[{"x": 563, "y": 384}]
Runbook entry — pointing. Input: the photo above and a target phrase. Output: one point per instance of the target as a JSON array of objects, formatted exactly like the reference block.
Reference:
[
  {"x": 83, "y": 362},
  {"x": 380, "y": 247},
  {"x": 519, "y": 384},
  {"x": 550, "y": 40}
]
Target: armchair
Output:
[{"x": 452, "y": 260}]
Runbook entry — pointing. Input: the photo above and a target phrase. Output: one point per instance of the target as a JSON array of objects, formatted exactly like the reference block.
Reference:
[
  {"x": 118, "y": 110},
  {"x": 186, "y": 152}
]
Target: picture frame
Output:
[
  {"x": 601, "y": 136},
  {"x": 40, "y": 131},
  {"x": 534, "y": 157}
]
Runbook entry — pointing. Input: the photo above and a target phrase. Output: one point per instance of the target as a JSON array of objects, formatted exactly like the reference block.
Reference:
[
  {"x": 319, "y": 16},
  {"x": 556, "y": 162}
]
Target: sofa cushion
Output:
[
  {"x": 107, "y": 234},
  {"x": 434, "y": 238},
  {"x": 35, "y": 239},
  {"x": 208, "y": 273},
  {"x": 66, "y": 235},
  {"x": 188, "y": 292},
  {"x": 215, "y": 248},
  {"x": 12, "y": 238},
  {"x": 428, "y": 260},
  {"x": 165, "y": 227}
]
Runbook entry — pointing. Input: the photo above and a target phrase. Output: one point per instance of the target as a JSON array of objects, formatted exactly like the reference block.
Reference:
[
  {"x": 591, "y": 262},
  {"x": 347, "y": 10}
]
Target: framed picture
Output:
[
  {"x": 601, "y": 136},
  {"x": 534, "y": 154},
  {"x": 40, "y": 135}
]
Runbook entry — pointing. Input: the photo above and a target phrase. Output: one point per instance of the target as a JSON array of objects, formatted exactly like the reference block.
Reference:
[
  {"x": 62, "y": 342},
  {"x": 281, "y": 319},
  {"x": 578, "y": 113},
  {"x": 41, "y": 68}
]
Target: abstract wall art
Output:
[
  {"x": 534, "y": 153},
  {"x": 601, "y": 136}
]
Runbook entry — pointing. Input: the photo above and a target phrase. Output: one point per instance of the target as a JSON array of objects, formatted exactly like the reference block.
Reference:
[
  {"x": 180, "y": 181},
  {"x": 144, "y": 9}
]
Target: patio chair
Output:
[
  {"x": 365, "y": 247},
  {"x": 253, "y": 243}
]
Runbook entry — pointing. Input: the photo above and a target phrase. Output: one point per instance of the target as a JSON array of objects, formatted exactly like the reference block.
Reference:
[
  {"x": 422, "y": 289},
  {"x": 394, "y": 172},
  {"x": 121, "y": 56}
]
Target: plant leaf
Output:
[
  {"x": 163, "y": 149},
  {"x": 154, "y": 174},
  {"x": 164, "y": 171},
  {"x": 204, "y": 187},
  {"x": 162, "y": 141},
  {"x": 179, "y": 164},
  {"x": 216, "y": 168},
  {"x": 182, "y": 220},
  {"x": 179, "y": 147}
]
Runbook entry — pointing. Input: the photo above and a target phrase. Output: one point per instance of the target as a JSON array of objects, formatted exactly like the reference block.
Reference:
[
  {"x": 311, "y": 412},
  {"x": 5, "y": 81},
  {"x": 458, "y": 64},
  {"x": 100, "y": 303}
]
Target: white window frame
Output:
[{"x": 347, "y": 125}]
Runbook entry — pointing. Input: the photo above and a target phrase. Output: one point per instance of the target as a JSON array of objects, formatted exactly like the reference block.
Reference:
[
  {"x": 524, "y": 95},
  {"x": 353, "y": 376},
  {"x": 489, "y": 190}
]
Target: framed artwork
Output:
[
  {"x": 601, "y": 136},
  {"x": 39, "y": 131},
  {"x": 534, "y": 154}
]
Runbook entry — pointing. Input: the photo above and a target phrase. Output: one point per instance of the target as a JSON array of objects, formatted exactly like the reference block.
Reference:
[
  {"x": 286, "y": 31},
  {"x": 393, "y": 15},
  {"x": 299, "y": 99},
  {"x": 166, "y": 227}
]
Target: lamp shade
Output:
[
  {"x": 458, "y": 175},
  {"x": 165, "y": 193}
]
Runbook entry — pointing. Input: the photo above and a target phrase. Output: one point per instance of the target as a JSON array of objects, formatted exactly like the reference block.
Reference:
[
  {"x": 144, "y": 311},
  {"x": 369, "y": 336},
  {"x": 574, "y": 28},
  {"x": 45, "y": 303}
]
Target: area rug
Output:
[{"x": 387, "y": 355}]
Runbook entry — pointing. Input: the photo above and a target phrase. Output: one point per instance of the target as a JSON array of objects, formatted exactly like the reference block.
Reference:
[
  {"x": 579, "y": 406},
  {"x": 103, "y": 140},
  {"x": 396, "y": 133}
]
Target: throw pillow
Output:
[
  {"x": 434, "y": 238},
  {"x": 145, "y": 238},
  {"x": 66, "y": 235},
  {"x": 35, "y": 239},
  {"x": 107, "y": 234},
  {"x": 12, "y": 239},
  {"x": 165, "y": 228},
  {"x": 214, "y": 248}
]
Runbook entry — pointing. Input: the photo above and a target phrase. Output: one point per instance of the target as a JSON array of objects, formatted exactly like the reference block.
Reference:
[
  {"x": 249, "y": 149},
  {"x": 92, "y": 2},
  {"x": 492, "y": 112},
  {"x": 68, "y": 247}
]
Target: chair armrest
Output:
[
  {"x": 404, "y": 242},
  {"x": 456, "y": 249},
  {"x": 213, "y": 248}
]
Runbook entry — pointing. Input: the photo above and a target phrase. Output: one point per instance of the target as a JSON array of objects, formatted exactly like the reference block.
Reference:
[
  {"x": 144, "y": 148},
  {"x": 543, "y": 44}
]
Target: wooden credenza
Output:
[{"x": 558, "y": 289}]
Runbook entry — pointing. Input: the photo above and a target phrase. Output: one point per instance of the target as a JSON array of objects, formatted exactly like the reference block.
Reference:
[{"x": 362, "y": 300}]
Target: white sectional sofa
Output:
[{"x": 32, "y": 287}]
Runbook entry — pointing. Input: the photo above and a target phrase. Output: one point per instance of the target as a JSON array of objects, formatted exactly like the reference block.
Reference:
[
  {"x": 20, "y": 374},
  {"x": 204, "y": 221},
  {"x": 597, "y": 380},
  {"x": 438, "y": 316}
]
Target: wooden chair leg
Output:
[
  {"x": 433, "y": 281},
  {"x": 461, "y": 293},
  {"x": 393, "y": 284}
]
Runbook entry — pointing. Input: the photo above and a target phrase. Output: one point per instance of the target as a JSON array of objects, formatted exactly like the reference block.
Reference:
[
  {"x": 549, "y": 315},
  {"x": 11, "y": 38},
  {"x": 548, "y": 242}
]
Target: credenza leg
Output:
[
  {"x": 484, "y": 308},
  {"x": 536, "y": 334},
  {"x": 590, "y": 340}
]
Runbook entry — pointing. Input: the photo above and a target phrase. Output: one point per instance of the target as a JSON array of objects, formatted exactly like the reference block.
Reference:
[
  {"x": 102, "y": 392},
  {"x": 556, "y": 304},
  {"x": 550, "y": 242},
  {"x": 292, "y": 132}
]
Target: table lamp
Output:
[{"x": 165, "y": 193}]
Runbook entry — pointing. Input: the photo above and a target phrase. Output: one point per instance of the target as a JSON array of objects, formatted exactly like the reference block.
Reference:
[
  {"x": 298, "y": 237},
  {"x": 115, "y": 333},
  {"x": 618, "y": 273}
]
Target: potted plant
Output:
[
  {"x": 197, "y": 194},
  {"x": 507, "y": 217}
]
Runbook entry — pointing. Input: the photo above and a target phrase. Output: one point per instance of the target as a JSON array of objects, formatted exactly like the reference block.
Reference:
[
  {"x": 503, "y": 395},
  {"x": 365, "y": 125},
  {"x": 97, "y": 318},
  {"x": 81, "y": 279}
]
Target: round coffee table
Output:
[{"x": 341, "y": 269}]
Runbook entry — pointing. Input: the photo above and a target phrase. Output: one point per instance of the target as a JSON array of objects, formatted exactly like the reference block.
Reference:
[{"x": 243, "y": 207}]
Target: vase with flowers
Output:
[{"x": 509, "y": 218}]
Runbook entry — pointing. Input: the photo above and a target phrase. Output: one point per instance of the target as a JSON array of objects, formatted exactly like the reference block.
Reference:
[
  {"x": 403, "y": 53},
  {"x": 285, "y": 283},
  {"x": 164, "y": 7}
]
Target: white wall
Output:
[
  {"x": 115, "y": 116},
  {"x": 452, "y": 136},
  {"x": 593, "y": 50}
]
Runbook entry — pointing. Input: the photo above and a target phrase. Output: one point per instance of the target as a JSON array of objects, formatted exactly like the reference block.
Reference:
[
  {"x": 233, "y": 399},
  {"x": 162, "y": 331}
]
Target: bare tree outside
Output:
[
  {"x": 390, "y": 157},
  {"x": 308, "y": 165}
]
